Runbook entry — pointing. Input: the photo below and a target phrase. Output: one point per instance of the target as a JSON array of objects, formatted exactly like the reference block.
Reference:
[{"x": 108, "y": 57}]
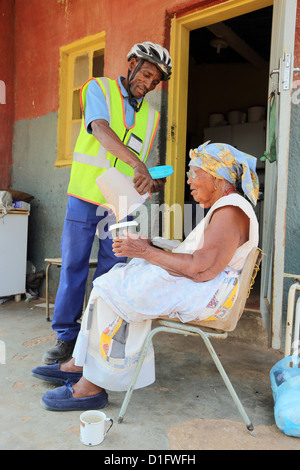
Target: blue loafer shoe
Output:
[
  {"x": 52, "y": 373},
  {"x": 61, "y": 399}
]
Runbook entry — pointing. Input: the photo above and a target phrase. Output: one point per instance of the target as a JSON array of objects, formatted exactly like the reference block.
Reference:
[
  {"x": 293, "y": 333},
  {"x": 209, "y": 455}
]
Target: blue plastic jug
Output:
[{"x": 285, "y": 384}]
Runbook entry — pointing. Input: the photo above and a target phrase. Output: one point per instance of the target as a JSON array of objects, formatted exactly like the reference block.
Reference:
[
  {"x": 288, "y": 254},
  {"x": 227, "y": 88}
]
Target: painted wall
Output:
[
  {"x": 30, "y": 68},
  {"x": 41, "y": 28},
  {"x": 6, "y": 90}
]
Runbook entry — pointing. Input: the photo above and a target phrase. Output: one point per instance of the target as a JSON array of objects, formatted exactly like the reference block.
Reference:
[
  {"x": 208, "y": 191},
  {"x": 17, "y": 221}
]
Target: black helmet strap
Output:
[{"x": 130, "y": 77}]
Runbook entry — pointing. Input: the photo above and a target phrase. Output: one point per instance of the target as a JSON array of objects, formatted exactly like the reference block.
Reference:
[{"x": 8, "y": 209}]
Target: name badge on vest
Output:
[{"x": 135, "y": 143}]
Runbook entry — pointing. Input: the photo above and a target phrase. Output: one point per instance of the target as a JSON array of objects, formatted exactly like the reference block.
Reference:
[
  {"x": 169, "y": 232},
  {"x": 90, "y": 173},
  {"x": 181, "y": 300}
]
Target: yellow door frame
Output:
[{"x": 178, "y": 92}]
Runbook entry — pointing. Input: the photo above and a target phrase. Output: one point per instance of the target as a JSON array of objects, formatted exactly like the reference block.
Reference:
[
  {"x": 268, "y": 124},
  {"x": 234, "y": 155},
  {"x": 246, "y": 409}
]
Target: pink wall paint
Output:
[
  {"x": 41, "y": 28},
  {"x": 7, "y": 76}
]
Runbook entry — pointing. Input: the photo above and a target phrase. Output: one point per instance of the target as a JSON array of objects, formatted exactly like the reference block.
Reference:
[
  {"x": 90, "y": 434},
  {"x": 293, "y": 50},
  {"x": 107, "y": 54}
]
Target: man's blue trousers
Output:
[{"x": 81, "y": 221}]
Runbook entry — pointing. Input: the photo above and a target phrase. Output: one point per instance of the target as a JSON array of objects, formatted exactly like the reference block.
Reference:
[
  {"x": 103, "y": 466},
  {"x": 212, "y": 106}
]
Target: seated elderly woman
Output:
[{"x": 198, "y": 277}]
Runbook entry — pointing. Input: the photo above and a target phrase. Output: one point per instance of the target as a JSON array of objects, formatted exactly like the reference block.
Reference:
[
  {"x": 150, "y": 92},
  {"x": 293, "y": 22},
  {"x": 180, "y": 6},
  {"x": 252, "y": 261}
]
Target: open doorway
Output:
[{"x": 228, "y": 92}]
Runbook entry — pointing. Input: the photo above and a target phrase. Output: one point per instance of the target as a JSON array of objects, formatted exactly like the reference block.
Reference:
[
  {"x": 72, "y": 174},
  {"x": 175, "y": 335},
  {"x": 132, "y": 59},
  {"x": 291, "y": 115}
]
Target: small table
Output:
[{"x": 57, "y": 262}]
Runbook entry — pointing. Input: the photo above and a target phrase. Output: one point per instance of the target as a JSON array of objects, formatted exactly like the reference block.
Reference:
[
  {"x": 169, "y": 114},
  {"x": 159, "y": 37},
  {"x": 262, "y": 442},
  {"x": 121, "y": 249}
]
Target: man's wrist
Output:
[{"x": 138, "y": 163}]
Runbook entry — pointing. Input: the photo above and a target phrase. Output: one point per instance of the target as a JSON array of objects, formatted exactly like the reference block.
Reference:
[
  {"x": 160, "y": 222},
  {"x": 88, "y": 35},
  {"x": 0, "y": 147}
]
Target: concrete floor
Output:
[{"x": 187, "y": 408}]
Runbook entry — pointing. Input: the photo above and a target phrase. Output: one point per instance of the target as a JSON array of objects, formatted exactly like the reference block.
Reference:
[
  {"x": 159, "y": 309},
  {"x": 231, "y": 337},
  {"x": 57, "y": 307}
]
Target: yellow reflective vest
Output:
[{"x": 91, "y": 159}]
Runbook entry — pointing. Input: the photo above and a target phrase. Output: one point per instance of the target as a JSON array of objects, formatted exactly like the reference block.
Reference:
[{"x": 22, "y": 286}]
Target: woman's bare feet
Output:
[
  {"x": 83, "y": 388},
  {"x": 70, "y": 366}
]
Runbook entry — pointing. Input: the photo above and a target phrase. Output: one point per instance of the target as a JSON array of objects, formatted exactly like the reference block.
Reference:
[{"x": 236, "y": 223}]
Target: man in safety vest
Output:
[{"x": 118, "y": 128}]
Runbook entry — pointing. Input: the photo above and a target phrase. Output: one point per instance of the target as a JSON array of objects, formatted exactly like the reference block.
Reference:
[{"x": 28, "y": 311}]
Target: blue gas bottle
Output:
[{"x": 162, "y": 171}]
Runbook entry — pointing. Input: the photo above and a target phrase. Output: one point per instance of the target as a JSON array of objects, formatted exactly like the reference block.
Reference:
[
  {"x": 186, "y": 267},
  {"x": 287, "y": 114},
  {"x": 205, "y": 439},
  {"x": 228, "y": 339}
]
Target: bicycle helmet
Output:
[{"x": 154, "y": 53}]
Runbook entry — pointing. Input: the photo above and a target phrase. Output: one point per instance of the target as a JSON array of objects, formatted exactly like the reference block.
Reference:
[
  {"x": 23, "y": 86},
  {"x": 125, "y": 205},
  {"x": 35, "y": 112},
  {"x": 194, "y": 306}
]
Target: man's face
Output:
[{"x": 146, "y": 79}]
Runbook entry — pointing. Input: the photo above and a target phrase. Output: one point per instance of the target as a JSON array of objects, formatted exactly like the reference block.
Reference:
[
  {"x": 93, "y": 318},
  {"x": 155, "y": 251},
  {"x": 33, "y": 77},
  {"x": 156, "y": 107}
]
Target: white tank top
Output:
[{"x": 194, "y": 240}]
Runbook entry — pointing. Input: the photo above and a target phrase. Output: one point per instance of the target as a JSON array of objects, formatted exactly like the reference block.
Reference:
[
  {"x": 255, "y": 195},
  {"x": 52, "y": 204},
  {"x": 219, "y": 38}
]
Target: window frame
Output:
[{"x": 68, "y": 55}]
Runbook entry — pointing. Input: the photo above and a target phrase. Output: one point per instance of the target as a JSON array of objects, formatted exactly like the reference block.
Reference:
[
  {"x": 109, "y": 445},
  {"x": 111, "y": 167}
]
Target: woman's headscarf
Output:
[{"x": 226, "y": 162}]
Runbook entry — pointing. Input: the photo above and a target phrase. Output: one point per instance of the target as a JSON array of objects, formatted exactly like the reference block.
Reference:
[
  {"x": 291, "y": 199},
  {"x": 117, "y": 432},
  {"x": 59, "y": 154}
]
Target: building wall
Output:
[
  {"x": 7, "y": 89},
  {"x": 30, "y": 68},
  {"x": 292, "y": 252},
  {"x": 41, "y": 28}
]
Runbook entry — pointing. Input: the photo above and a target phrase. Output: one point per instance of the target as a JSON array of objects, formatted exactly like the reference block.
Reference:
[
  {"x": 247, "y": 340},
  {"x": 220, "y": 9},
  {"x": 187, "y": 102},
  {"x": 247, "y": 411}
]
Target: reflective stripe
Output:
[
  {"x": 91, "y": 160},
  {"x": 100, "y": 161},
  {"x": 149, "y": 130},
  {"x": 105, "y": 83}
]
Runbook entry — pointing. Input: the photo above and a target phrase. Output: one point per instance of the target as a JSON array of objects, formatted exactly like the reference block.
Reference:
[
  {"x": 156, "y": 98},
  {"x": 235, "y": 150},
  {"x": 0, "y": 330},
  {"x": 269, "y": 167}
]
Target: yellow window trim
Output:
[
  {"x": 178, "y": 91},
  {"x": 68, "y": 55}
]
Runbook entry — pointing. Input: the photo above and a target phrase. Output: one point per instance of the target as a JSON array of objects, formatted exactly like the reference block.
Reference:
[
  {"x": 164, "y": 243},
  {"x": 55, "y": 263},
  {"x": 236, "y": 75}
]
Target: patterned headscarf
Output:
[{"x": 226, "y": 162}]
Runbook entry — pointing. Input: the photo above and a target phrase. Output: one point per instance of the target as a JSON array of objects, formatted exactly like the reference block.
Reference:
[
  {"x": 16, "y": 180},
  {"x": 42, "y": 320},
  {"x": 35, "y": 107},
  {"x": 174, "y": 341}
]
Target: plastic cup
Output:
[{"x": 117, "y": 230}]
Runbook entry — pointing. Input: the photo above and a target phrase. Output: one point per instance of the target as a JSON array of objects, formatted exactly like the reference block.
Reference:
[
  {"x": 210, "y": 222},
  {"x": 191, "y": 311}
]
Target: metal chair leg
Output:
[
  {"x": 228, "y": 384},
  {"x": 178, "y": 330},
  {"x": 192, "y": 331},
  {"x": 137, "y": 371}
]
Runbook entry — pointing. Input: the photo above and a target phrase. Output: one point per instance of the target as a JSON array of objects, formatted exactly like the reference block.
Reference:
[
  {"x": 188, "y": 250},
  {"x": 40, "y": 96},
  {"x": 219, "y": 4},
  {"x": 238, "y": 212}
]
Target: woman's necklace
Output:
[{"x": 229, "y": 190}]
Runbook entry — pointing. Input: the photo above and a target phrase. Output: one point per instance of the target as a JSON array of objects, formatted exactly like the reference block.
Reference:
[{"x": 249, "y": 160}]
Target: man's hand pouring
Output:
[{"x": 142, "y": 179}]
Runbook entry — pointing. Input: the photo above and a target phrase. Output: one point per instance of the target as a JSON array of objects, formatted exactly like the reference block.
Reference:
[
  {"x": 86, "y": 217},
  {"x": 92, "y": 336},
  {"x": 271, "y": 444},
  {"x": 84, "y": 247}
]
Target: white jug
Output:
[{"x": 119, "y": 193}]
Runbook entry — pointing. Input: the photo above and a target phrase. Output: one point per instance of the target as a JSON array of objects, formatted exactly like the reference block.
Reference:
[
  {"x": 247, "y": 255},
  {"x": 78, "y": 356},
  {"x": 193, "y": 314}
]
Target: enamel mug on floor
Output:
[{"x": 94, "y": 427}]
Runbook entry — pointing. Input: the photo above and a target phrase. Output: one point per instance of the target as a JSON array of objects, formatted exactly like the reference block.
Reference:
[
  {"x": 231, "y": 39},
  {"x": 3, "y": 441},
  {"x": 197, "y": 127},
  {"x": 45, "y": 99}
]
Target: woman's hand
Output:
[{"x": 132, "y": 246}]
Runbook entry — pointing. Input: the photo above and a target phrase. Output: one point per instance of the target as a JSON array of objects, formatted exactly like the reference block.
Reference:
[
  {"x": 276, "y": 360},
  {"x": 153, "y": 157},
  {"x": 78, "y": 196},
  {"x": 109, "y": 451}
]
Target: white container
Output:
[
  {"x": 92, "y": 427},
  {"x": 244, "y": 118},
  {"x": 119, "y": 193},
  {"x": 235, "y": 117},
  {"x": 216, "y": 119},
  {"x": 118, "y": 230},
  {"x": 256, "y": 113}
]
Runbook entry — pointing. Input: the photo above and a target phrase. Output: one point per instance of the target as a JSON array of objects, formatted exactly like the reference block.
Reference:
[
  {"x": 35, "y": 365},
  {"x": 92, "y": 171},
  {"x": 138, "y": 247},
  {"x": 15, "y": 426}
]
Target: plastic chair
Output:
[{"x": 207, "y": 329}]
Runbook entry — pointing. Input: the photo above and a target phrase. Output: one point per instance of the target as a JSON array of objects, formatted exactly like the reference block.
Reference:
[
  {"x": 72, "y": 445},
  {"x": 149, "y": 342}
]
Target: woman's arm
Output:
[{"x": 226, "y": 232}]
